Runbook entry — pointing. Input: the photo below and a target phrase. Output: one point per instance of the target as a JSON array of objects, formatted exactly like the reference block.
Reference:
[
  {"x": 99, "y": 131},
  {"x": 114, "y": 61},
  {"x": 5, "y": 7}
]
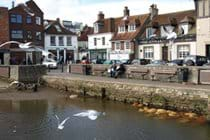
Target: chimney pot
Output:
[
  {"x": 100, "y": 15},
  {"x": 126, "y": 11}
]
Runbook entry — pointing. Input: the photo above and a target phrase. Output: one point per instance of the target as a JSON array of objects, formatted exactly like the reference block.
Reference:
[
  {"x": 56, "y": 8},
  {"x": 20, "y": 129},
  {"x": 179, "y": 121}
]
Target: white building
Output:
[
  {"x": 60, "y": 41},
  {"x": 156, "y": 45},
  {"x": 99, "y": 44}
]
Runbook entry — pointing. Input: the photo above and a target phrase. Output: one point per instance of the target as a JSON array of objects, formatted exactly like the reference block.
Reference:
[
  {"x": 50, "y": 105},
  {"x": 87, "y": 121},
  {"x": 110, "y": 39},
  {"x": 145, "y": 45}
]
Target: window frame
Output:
[
  {"x": 38, "y": 20},
  {"x": 117, "y": 46},
  {"x": 16, "y": 18},
  {"x": 103, "y": 41},
  {"x": 53, "y": 43},
  {"x": 148, "y": 54},
  {"x": 132, "y": 28},
  {"x": 69, "y": 41},
  {"x": 15, "y": 32},
  {"x": 121, "y": 29},
  {"x": 182, "y": 53},
  {"x": 61, "y": 41}
]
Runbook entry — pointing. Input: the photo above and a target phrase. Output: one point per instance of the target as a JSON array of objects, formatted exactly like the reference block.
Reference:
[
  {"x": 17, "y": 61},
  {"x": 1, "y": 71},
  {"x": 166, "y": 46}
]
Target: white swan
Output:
[
  {"x": 91, "y": 114},
  {"x": 21, "y": 45},
  {"x": 61, "y": 124}
]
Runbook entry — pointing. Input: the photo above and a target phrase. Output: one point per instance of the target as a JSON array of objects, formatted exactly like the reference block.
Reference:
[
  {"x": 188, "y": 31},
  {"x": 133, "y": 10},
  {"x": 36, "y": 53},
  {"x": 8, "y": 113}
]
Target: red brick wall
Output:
[
  {"x": 4, "y": 71},
  {"x": 33, "y": 27},
  {"x": 4, "y": 25}
]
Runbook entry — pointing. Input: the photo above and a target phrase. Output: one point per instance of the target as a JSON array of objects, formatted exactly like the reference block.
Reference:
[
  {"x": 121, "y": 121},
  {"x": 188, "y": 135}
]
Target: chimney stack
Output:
[
  {"x": 100, "y": 15},
  {"x": 13, "y": 4},
  {"x": 153, "y": 11},
  {"x": 126, "y": 11}
]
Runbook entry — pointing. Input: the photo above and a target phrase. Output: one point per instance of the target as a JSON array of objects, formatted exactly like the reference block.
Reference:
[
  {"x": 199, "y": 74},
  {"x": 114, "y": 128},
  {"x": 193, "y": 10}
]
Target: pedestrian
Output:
[{"x": 113, "y": 70}]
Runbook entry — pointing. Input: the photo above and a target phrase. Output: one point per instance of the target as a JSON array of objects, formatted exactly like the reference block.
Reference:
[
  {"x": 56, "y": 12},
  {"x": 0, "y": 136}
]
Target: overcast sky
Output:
[{"x": 86, "y": 10}]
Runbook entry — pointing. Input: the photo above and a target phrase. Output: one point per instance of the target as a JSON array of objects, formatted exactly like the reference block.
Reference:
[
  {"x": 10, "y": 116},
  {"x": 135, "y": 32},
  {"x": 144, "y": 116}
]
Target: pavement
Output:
[
  {"x": 3, "y": 84},
  {"x": 58, "y": 73}
]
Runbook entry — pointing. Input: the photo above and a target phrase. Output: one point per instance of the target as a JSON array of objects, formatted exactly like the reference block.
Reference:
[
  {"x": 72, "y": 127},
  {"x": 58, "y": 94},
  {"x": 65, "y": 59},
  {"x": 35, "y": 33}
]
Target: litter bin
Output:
[{"x": 183, "y": 75}]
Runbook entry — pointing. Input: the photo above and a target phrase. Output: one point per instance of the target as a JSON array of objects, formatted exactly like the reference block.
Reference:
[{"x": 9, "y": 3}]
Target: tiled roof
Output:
[
  {"x": 138, "y": 19},
  {"x": 165, "y": 19},
  {"x": 55, "y": 27},
  {"x": 84, "y": 33}
]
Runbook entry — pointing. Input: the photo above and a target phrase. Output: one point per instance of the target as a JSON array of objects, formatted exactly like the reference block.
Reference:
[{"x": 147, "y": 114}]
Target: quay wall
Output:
[{"x": 173, "y": 98}]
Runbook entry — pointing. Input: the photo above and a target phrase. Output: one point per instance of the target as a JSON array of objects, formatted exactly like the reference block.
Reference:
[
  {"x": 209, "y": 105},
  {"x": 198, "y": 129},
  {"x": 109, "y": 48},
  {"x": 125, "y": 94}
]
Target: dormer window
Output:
[
  {"x": 166, "y": 29},
  {"x": 132, "y": 28},
  {"x": 184, "y": 28},
  {"x": 96, "y": 28},
  {"x": 150, "y": 32},
  {"x": 121, "y": 29}
]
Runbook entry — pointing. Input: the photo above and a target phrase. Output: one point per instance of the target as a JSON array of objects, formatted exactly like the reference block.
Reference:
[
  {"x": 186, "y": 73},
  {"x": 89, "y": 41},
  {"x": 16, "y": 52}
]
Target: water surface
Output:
[{"x": 35, "y": 120}]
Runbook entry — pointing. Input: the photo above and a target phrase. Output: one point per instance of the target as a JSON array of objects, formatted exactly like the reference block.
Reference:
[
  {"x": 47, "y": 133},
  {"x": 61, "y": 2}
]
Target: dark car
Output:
[
  {"x": 109, "y": 62},
  {"x": 157, "y": 63},
  {"x": 176, "y": 62},
  {"x": 126, "y": 61},
  {"x": 140, "y": 62},
  {"x": 195, "y": 60}
]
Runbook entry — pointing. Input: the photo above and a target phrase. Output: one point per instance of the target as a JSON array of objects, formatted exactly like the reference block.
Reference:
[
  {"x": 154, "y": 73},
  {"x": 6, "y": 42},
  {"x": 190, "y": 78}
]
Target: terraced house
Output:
[{"x": 169, "y": 36}]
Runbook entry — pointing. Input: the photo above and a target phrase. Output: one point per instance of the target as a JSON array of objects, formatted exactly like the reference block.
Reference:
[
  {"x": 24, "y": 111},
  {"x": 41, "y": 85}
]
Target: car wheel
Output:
[{"x": 190, "y": 63}]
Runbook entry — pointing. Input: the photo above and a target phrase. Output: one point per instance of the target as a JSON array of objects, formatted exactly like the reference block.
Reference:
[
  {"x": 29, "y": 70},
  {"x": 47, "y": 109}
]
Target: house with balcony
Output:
[
  {"x": 60, "y": 41},
  {"x": 127, "y": 30},
  {"x": 168, "y": 36}
]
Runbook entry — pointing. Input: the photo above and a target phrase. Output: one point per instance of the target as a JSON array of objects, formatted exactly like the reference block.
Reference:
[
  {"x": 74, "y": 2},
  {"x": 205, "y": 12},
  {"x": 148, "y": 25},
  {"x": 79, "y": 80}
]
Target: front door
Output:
[
  {"x": 1, "y": 58},
  {"x": 165, "y": 53},
  {"x": 208, "y": 51}
]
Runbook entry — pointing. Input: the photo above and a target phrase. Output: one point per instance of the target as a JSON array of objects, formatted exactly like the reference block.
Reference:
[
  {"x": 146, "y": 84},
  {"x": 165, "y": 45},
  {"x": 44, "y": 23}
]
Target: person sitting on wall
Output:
[
  {"x": 113, "y": 70},
  {"x": 120, "y": 70}
]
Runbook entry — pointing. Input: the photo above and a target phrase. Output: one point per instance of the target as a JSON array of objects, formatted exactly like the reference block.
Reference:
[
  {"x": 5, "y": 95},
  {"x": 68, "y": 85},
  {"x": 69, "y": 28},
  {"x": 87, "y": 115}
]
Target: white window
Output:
[
  {"x": 53, "y": 41},
  {"x": 38, "y": 20},
  {"x": 17, "y": 34},
  {"x": 38, "y": 36},
  {"x": 183, "y": 51},
  {"x": 132, "y": 27},
  {"x": 127, "y": 45},
  {"x": 60, "y": 41},
  {"x": 149, "y": 32},
  {"x": 68, "y": 41},
  {"x": 117, "y": 44},
  {"x": 121, "y": 29},
  {"x": 58, "y": 28},
  {"x": 148, "y": 52},
  {"x": 95, "y": 28}
]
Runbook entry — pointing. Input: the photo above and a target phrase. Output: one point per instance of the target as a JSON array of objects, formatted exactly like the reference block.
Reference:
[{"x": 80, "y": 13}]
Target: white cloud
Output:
[{"x": 75, "y": 11}]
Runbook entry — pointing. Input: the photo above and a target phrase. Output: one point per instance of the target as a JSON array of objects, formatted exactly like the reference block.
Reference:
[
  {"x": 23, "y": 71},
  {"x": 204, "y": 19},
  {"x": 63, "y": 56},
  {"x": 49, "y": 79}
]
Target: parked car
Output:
[
  {"x": 195, "y": 60},
  {"x": 157, "y": 63},
  {"x": 175, "y": 62},
  {"x": 126, "y": 61},
  {"x": 50, "y": 63},
  {"x": 97, "y": 61},
  {"x": 207, "y": 64},
  {"x": 109, "y": 62},
  {"x": 140, "y": 62}
]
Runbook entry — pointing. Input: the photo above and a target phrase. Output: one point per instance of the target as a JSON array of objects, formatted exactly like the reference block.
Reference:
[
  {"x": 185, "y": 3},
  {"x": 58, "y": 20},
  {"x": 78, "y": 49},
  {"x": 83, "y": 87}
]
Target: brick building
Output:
[{"x": 22, "y": 23}]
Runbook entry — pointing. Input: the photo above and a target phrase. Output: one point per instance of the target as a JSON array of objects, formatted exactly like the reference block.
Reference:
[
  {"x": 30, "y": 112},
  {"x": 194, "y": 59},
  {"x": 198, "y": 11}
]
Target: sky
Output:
[{"x": 86, "y": 10}]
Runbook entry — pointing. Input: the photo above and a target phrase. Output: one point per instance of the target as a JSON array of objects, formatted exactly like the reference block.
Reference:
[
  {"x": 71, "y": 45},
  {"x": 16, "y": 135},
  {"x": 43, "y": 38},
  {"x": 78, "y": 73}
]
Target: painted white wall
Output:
[
  {"x": 157, "y": 51},
  {"x": 99, "y": 45},
  {"x": 174, "y": 49},
  {"x": 74, "y": 45}
]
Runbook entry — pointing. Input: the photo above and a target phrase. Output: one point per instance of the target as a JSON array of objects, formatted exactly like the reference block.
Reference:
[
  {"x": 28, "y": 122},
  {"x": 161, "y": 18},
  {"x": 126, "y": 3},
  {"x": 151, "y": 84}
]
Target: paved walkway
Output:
[{"x": 130, "y": 81}]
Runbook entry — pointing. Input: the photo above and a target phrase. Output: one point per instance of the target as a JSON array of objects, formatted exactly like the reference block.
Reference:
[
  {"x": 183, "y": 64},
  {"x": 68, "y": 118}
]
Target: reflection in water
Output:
[{"x": 35, "y": 120}]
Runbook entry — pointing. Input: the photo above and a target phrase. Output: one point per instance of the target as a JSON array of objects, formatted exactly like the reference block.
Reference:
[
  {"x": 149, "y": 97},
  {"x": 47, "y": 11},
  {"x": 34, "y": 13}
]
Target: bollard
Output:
[
  {"x": 48, "y": 68},
  {"x": 62, "y": 67},
  {"x": 103, "y": 93},
  {"x": 35, "y": 88}
]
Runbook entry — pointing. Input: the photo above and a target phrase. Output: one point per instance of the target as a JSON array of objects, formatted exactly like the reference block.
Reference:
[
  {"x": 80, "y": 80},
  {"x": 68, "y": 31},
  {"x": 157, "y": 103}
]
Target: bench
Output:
[
  {"x": 164, "y": 74},
  {"x": 137, "y": 72},
  {"x": 99, "y": 70}
]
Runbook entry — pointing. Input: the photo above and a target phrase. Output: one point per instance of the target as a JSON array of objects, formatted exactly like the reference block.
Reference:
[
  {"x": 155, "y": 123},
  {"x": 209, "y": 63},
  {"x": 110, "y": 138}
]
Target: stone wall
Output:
[
  {"x": 23, "y": 73},
  {"x": 155, "y": 73},
  {"x": 178, "y": 99}
]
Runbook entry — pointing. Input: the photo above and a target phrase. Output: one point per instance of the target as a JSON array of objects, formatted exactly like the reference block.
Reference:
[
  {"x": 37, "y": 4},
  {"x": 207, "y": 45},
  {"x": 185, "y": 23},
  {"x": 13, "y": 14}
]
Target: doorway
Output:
[
  {"x": 165, "y": 53},
  {"x": 208, "y": 51},
  {"x": 1, "y": 58}
]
